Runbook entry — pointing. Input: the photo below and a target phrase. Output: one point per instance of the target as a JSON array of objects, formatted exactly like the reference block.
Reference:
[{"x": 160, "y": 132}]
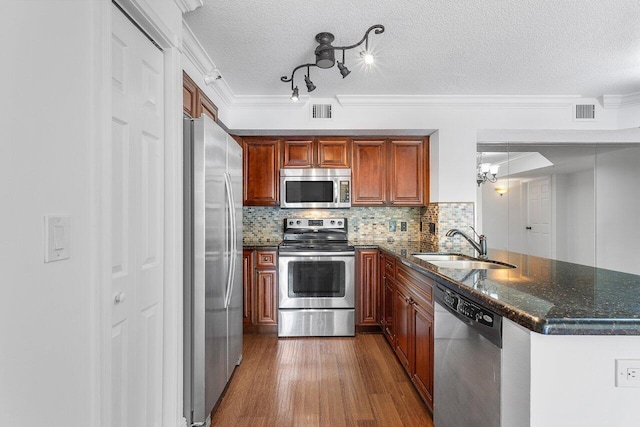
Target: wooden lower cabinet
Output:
[
  {"x": 407, "y": 321},
  {"x": 402, "y": 323},
  {"x": 422, "y": 369},
  {"x": 260, "y": 283},
  {"x": 387, "y": 289},
  {"x": 367, "y": 293}
]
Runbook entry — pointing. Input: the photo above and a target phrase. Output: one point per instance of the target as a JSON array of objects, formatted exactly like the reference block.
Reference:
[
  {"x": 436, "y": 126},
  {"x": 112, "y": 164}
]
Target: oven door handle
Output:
[{"x": 316, "y": 254}]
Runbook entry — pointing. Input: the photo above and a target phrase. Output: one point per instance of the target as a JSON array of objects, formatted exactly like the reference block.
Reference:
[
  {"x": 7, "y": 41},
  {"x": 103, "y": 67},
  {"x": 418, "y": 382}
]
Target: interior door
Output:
[
  {"x": 136, "y": 227},
  {"x": 539, "y": 218}
]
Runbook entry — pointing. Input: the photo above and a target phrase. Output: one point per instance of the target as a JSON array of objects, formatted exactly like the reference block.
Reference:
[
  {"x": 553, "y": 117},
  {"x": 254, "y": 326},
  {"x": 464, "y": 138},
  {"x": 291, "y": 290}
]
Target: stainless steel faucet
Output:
[{"x": 480, "y": 246}]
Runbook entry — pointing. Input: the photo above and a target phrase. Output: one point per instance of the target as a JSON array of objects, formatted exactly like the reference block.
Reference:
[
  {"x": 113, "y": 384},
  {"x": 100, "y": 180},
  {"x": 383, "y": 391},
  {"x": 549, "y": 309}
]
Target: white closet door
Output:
[
  {"x": 539, "y": 216},
  {"x": 137, "y": 227}
]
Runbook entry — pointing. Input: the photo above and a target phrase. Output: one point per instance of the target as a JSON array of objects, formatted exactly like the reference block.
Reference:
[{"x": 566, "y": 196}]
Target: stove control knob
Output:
[
  {"x": 332, "y": 222},
  {"x": 290, "y": 222},
  {"x": 298, "y": 222},
  {"x": 339, "y": 222}
]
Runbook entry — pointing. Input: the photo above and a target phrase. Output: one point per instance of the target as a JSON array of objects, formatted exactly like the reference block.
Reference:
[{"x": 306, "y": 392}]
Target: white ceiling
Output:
[{"x": 436, "y": 47}]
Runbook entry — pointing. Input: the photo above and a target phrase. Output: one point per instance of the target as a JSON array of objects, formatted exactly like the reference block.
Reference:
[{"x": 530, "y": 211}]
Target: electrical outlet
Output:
[
  {"x": 403, "y": 226},
  {"x": 627, "y": 373},
  {"x": 392, "y": 226}
]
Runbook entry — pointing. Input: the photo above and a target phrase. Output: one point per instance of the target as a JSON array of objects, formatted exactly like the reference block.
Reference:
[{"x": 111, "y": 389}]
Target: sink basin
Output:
[
  {"x": 470, "y": 264},
  {"x": 440, "y": 257}
]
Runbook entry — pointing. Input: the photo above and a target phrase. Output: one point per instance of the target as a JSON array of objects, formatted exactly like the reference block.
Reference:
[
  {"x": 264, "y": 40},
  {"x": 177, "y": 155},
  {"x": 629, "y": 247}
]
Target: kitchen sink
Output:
[
  {"x": 470, "y": 264},
  {"x": 440, "y": 257}
]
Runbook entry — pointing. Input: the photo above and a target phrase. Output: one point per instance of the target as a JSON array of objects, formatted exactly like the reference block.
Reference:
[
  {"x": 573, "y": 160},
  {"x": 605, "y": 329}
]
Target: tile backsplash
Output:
[{"x": 264, "y": 225}]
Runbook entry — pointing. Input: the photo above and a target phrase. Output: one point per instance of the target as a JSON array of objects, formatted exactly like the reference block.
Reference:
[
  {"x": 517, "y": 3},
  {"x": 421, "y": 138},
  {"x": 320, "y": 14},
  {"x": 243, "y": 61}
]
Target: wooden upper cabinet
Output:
[
  {"x": 189, "y": 95},
  {"x": 332, "y": 153},
  {"x": 207, "y": 107},
  {"x": 194, "y": 101},
  {"x": 260, "y": 159},
  {"x": 320, "y": 152},
  {"x": 297, "y": 153},
  {"x": 368, "y": 174},
  {"x": 390, "y": 172},
  {"x": 407, "y": 171}
]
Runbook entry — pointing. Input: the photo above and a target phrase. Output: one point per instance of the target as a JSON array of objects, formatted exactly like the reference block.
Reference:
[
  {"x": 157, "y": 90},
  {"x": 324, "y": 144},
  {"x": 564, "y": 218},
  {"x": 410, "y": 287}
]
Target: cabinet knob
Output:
[{"x": 119, "y": 298}]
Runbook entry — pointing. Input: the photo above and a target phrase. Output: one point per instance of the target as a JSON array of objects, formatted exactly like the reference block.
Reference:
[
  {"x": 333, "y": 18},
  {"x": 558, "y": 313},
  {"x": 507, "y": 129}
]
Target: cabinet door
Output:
[
  {"x": 205, "y": 106},
  {"x": 297, "y": 153},
  {"x": 260, "y": 168},
  {"x": 389, "y": 329},
  {"x": 369, "y": 173},
  {"x": 189, "y": 95},
  {"x": 407, "y": 172},
  {"x": 402, "y": 316},
  {"x": 266, "y": 304},
  {"x": 367, "y": 287},
  {"x": 247, "y": 286},
  {"x": 332, "y": 153},
  {"x": 422, "y": 337}
]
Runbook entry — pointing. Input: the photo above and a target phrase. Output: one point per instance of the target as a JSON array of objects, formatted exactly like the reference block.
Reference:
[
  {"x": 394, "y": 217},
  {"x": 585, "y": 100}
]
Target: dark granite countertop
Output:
[
  {"x": 251, "y": 246},
  {"x": 543, "y": 295}
]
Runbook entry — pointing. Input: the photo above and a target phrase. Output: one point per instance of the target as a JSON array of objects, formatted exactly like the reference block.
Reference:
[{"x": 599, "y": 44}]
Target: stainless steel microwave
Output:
[{"x": 315, "y": 188}]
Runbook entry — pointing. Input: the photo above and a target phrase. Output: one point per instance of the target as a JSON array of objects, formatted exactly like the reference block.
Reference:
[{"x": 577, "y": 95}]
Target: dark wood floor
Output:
[{"x": 320, "y": 382}]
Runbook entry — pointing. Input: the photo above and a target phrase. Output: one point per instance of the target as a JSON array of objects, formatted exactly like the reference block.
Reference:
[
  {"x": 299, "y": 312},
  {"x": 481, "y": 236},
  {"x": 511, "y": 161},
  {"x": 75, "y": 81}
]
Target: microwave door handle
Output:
[{"x": 336, "y": 190}]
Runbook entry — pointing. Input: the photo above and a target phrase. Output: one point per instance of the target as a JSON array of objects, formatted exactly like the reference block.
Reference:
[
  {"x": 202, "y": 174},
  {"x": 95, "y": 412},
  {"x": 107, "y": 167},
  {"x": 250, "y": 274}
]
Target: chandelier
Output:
[
  {"x": 325, "y": 58},
  {"x": 486, "y": 172}
]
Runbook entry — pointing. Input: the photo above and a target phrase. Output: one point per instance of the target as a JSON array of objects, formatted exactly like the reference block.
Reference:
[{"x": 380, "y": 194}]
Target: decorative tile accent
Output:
[{"x": 447, "y": 216}]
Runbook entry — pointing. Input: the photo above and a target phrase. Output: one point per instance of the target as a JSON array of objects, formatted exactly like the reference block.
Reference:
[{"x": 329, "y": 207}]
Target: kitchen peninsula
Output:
[{"x": 564, "y": 327}]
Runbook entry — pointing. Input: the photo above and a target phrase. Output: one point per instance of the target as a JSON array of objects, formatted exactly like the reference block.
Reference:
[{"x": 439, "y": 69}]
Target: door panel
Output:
[{"x": 137, "y": 221}]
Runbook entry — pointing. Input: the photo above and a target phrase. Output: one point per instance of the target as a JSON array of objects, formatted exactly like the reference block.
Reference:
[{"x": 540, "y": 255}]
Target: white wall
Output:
[
  {"x": 48, "y": 312},
  {"x": 573, "y": 381},
  {"x": 618, "y": 210},
  {"x": 503, "y": 217},
  {"x": 575, "y": 217}
]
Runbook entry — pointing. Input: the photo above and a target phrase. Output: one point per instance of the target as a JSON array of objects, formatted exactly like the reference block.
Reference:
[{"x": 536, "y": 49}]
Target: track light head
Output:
[
  {"x": 294, "y": 95},
  {"x": 343, "y": 69},
  {"x": 310, "y": 86}
]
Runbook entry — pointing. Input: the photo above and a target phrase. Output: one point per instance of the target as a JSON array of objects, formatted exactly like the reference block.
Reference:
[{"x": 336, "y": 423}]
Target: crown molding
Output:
[
  {"x": 193, "y": 50},
  {"x": 458, "y": 101},
  {"x": 621, "y": 101},
  {"x": 188, "y": 5}
]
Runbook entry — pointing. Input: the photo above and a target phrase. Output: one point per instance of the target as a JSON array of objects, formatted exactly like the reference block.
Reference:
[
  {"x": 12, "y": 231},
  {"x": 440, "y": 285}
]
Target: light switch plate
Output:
[{"x": 57, "y": 237}]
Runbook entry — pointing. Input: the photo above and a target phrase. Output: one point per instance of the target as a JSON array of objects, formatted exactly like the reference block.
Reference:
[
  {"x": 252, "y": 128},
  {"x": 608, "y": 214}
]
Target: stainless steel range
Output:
[{"x": 316, "y": 279}]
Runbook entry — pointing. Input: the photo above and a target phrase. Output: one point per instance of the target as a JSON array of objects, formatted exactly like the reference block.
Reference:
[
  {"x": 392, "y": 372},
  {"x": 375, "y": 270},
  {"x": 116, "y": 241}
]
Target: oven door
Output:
[{"x": 316, "y": 280}]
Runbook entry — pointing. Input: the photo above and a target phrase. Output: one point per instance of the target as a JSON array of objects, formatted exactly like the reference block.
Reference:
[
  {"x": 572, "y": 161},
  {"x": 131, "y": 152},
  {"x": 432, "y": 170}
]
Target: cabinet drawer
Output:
[
  {"x": 389, "y": 267},
  {"x": 418, "y": 283},
  {"x": 266, "y": 259}
]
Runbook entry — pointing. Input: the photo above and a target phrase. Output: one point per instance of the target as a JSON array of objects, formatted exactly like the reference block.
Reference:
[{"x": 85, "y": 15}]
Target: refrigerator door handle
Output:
[{"x": 232, "y": 249}]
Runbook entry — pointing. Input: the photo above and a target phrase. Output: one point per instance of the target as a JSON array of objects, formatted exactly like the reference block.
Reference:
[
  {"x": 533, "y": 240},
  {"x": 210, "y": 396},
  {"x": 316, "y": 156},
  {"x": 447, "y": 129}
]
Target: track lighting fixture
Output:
[{"x": 325, "y": 57}]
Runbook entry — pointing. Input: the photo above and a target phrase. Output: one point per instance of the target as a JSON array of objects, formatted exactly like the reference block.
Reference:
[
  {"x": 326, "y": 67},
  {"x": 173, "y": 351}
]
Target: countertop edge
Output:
[{"x": 550, "y": 326}]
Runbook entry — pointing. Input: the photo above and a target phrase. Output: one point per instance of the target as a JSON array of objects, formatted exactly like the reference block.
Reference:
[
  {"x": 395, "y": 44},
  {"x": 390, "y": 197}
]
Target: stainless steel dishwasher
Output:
[{"x": 468, "y": 353}]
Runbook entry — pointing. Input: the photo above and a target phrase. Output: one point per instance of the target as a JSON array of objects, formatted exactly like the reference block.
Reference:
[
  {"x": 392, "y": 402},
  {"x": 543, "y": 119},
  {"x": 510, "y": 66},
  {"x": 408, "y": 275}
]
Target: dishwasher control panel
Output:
[{"x": 467, "y": 308}]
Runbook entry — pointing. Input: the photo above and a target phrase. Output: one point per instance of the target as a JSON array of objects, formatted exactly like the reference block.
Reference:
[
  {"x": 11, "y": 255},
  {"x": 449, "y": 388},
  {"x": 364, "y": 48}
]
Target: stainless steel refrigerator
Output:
[{"x": 212, "y": 264}]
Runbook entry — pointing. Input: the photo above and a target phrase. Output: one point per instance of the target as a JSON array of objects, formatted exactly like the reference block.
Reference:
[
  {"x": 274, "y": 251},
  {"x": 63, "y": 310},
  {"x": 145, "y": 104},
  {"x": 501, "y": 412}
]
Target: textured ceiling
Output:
[{"x": 435, "y": 47}]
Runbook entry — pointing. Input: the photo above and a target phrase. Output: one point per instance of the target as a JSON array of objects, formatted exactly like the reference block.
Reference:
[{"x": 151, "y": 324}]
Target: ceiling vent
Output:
[
  {"x": 321, "y": 111},
  {"x": 585, "y": 112}
]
